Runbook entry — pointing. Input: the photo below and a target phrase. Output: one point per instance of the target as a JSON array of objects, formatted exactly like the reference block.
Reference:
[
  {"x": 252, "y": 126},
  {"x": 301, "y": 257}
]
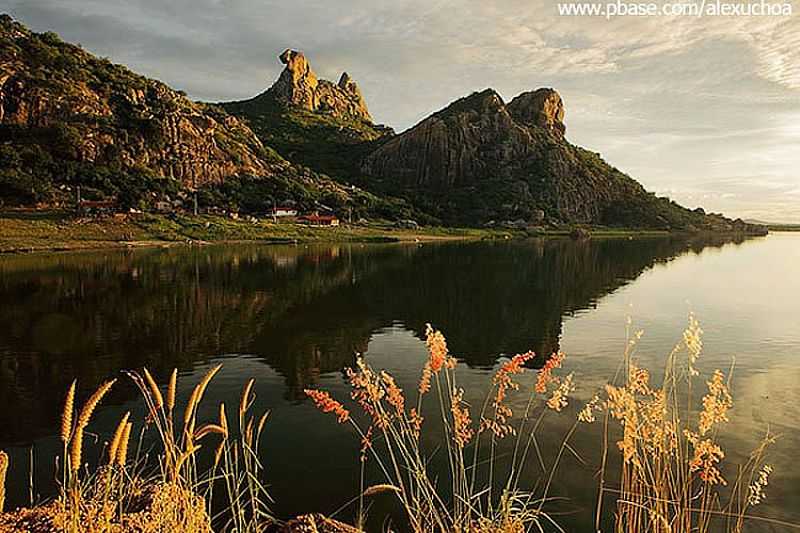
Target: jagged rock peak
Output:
[
  {"x": 298, "y": 85},
  {"x": 542, "y": 107}
]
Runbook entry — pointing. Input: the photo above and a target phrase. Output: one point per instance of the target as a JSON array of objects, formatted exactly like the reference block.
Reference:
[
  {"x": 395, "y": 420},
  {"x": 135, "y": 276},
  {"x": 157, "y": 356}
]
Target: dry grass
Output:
[
  {"x": 671, "y": 480},
  {"x": 3, "y": 471},
  {"x": 390, "y": 433},
  {"x": 124, "y": 494},
  {"x": 671, "y": 454}
]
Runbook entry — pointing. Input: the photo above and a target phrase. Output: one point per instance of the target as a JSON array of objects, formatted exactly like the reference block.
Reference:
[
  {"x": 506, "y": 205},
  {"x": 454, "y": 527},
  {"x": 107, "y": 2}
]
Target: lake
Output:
[{"x": 294, "y": 317}]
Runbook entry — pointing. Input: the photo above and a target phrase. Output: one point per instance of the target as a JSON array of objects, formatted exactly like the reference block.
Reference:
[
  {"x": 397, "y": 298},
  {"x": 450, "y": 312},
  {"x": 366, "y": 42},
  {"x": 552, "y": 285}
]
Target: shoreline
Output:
[{"x": 25, "y": 232}]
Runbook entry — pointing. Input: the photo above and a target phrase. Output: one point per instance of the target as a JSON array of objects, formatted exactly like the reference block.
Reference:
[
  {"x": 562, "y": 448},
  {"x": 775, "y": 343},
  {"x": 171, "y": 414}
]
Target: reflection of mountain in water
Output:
[{"x": 304, "y": 310}]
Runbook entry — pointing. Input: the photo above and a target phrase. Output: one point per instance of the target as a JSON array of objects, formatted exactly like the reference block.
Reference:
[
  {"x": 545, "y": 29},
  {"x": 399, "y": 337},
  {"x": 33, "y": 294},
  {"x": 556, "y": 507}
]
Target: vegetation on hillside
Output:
[
  {"x": 325, "y": 142},
  {"x": 72, "y": 120}
]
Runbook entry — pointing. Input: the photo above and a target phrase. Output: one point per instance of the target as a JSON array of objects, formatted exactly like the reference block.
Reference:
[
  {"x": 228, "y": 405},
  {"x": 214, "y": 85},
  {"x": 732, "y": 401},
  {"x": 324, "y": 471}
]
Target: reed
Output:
[
  {"x": 171, "y": 390},
  {"x": 668, "y": 443},
  {"x": 83, "y": 420},
  {"x": 242, "y": 469},
  {"x": 670, "y": 452},
  {"x": 670, "y": 449},
  {"x": 3, "y": 472},
  {"x": 459, "y": 503},
  {"x": 118, "y": 437},
  {"x": 68, "y": 413}
]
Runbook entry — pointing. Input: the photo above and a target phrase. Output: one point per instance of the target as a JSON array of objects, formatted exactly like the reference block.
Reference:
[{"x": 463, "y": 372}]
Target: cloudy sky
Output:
[{"x": 706, "y": 110}]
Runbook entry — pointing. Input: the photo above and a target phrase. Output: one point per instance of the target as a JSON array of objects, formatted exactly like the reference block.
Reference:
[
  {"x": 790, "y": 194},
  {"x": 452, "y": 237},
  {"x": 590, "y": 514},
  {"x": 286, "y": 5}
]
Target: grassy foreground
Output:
[
  {"x": 23, "y": 231},
  {"x": 669, "y": 449}
]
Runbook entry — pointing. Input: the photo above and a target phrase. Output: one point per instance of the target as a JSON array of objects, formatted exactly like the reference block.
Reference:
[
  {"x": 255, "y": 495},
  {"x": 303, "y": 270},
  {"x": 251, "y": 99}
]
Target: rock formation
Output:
[
  {"x": 68, "y": 117},
  {"x": 512, "y": 159},
  {"x": 542, "y": 107},
  {"x": 298, "y": 85}
]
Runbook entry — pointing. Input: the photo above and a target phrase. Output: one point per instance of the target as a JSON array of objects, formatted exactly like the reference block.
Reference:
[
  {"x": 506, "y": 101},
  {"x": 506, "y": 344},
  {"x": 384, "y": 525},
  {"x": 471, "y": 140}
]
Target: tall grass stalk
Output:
[
  {"x": 460, "y": 502},
  {"x": 672, "y": 478}
]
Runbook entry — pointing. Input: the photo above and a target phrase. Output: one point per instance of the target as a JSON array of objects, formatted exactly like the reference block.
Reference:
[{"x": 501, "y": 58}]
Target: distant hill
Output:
[{"x": 68, "y": 119}]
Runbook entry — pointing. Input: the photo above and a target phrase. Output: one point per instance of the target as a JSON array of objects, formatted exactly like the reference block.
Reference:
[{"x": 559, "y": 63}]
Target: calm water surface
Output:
[{"x": 294, "y": 317}]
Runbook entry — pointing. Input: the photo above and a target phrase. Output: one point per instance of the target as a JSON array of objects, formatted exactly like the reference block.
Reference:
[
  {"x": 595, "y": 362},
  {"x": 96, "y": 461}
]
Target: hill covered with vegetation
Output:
[
  {"x": 477, "y": 161},
  {"x": 70, "y": 120}
]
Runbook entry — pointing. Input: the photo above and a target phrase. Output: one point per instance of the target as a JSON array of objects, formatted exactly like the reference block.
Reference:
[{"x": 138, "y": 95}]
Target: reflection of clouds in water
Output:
[
  {"x": 769, "y": 398},
  {"x": 303, "y": 313}
]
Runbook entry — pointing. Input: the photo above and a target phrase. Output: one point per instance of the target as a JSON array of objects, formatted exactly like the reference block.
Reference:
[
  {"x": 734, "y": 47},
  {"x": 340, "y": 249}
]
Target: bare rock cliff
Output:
[
  {"x": 542, "y": 108},
  {"x": 298, "y": 85},
  {"x": 497, "y": 160}
]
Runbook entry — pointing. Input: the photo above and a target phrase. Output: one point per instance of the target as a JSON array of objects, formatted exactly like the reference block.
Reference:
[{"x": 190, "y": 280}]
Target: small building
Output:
[
  {"x": 320, "y": 220},
  {"x": 283, "y": 212}
]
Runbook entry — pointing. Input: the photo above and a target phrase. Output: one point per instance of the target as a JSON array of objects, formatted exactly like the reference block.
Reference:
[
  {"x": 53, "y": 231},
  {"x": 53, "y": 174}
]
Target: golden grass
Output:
[
  {"x": 390, "y": 433},
  {"x": 671, "y": 452},
  {"x": 76, "y": 440},
  {"x": 3, "y": 471},
  {"x": 668, "y": 444},
  {"x": 119, "y": 435},
  {"x": 126, "y": 495}
]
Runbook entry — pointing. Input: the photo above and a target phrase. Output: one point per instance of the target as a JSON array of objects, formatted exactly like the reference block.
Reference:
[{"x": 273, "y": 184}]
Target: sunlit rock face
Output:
[
  {"x": 298, "y": 85},
  {"x": 512, "y": 155},
  {"x": 542, "y": 107}
]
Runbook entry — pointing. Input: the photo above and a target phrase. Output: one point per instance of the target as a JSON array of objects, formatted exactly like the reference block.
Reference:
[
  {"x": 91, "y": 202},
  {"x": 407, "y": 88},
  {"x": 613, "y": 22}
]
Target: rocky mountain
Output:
[
  {"x": 476, "y": 161},
  {"x": 313, "y": 122},
  {"x": 298, "y": 85},
  {"x": 70, "y": 118},
  {"x": 481, "y": 159},
  {"x": 78, "y": 107}
]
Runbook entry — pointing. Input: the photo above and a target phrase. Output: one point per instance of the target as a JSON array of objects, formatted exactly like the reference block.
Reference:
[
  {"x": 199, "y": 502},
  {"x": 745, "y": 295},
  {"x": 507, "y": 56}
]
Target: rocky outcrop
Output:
[
  {"x": 88, "y": 110},
  {"x": 512, "y": 158},
  {"x": 298, "y": 85},
  {"x": 480, "y": 160},
  {"x": 542, "y": 108},
  {"x": 455, "y": 147}
]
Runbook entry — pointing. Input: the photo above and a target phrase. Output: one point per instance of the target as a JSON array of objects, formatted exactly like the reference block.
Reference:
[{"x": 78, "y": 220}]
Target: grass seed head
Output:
[{"x": 68, "y": 413}]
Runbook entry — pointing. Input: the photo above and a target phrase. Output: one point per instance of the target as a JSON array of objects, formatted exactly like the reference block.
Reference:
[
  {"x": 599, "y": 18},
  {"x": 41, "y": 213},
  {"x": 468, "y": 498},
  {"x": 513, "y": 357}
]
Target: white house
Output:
[{"x": 283, "y": 212}]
